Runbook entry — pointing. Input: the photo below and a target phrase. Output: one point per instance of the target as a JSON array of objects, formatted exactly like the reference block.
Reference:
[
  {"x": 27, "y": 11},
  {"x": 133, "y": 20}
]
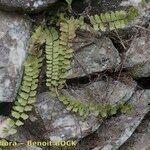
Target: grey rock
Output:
[
  {"x": 14, "y": 35},
  {"x": 55, "y": 123},
  {"x": 138, "y": 57},
  {"x": 140, "y": 139},
  {"x": 25, "y": 5},
  {"x": 115, "y": 131},
  {"x": 93, "y": 55},
  {"x": 90, "y": 7}
]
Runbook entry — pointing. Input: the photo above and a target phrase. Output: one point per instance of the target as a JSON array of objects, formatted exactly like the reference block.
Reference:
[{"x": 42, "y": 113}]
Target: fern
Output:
[
  {"x": 52, "y": 58},
  {"x": 59, "y": 53},
  {"x": 27, "y": 93},
  {"x": 82, "y": 24},
  {"x": 68, "y": 28},
  {"x": 58, "y": 47},
  {"x": 96, "y": 109},
  {"x": 109, "y": 21},
  {"x": 36, "y": 40}
]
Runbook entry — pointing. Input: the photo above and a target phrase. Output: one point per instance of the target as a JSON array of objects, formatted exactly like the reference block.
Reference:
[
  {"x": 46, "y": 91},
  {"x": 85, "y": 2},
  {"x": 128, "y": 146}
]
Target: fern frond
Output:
[
  {"x": 59, "y": 52},
  {"x": 68, "y": 29},
  {"x": 82, "y": 25},
  {"x": 110, "y": 20},
  {"x": 52, "y": 58},
  {"x": 95, "y": 109},
  {"x": 26, "y": 95}
]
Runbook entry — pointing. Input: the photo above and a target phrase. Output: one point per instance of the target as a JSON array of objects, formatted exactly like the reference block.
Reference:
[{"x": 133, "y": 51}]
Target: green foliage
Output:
[
  {"x": 95, "y": 109},
  {"x": 36, "y": 40},
  {"x": 82, "y": 24},
  {"x": 52, "y": 59},
  {"x": 27, "y": 92},
  {"x": 125, "y": 108},
  {"x": 58, "y": 52},
  {"x": 110, "y": 20},
  {"x": 68, "y": 28}
]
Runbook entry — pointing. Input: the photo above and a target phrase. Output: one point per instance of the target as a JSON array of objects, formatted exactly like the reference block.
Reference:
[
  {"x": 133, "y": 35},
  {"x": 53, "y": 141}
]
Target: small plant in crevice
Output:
[{"x": 54, "y": 44}]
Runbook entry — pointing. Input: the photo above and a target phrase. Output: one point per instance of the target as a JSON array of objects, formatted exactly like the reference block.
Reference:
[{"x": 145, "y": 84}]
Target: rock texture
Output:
[
  {"x": 14, "y": 34},
  {"x": 25, "y": 5},
  {"x": 138, "y": 56},
  {"x": 55, "y": 123},
  {"x": 115, "y": 131},
  {"x": 140, "y": 140},
  {"x": 93, "y": 55}
]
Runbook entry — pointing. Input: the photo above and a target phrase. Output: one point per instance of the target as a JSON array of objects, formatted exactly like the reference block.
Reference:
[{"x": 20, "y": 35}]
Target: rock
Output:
[
  {"x": 25, "y": 5},
  {"x": 138, "y": 57},
  {"x": 90, "y": 7},
  {"x": 51, "y": 120},
  {"x": 115, "y": 131},
  {"x": 14, "y": 34},
  {"x": 140, "y": 139},
  {"x": 93, "y": 55}
]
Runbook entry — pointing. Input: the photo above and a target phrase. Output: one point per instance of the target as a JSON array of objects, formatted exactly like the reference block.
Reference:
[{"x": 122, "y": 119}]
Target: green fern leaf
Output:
[
  {"x": 33, "y": 93},
  {"x": 24, "y": 95},
  {"x": 22, "y": 101},
  {"x": 31, "y": 100},
  {"x": 15, "y": 114},
  {"x": 25, "y": 88},
  {"x": 24, "y": 116},
  {"x": 19, "y": 123},
  {"x": 28, "y": 108},
  {"x": 19, "y": 108}
]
